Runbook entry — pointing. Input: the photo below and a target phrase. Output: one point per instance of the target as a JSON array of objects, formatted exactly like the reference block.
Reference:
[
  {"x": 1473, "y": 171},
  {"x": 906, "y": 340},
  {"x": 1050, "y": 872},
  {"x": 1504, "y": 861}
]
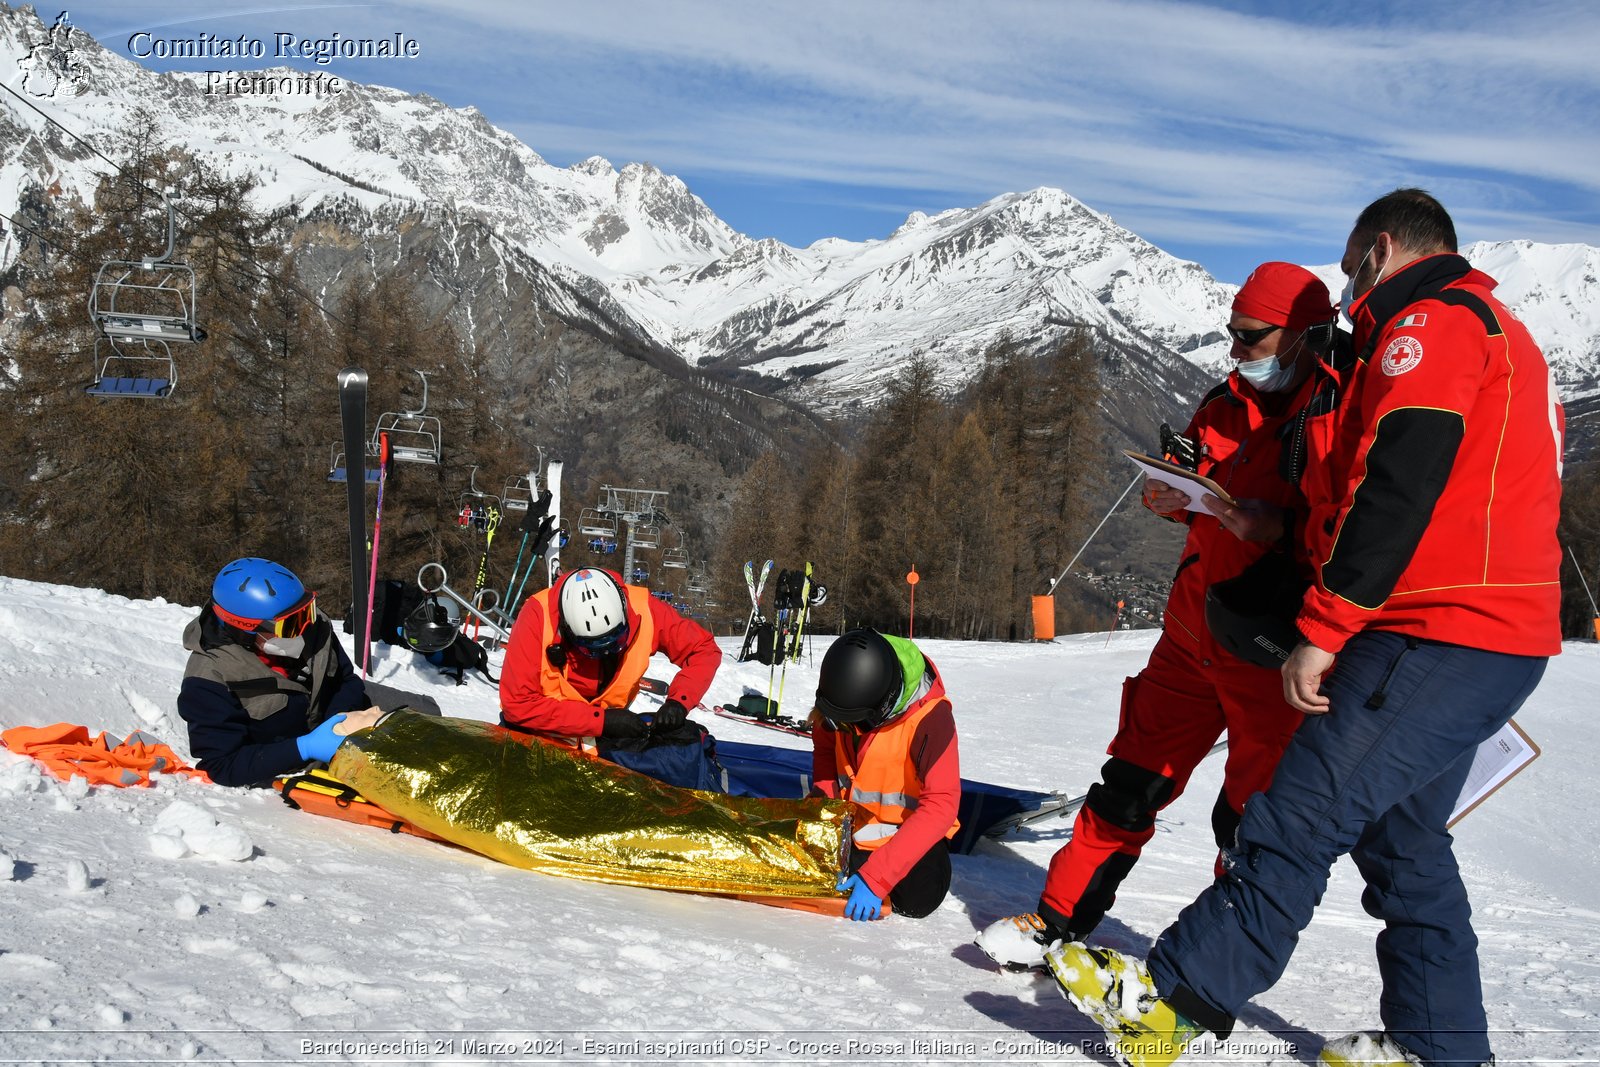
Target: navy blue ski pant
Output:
[{"x": 1377, "y": 777}]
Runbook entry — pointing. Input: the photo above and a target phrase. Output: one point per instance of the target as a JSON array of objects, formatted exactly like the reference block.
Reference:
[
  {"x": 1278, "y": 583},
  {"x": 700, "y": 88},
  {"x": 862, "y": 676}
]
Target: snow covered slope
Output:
[
  {"x": 635, "y": 251},
  {"x": 351, "y": 938}
]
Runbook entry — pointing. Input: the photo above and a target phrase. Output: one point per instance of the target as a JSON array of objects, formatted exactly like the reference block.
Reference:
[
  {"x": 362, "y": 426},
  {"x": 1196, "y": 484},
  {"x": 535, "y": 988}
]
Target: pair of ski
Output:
[
  {"x": 757, "y": 624},
  {"x": 781, "y": 723},
  {"x": 657, "y": 688}
]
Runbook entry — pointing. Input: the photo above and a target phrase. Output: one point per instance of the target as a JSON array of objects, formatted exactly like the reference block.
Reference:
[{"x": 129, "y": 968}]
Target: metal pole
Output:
[
  {"x": 1137, "y": 478},
  {"x": 627, "y": 553},
  {"x": 1584, "y": 580}
]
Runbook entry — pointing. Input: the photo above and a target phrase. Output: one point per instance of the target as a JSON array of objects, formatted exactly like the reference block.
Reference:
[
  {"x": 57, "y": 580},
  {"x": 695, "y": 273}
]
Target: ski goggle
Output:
[
  {"x": 292, "y": 623},
  {"x": 605, "y": 643}
]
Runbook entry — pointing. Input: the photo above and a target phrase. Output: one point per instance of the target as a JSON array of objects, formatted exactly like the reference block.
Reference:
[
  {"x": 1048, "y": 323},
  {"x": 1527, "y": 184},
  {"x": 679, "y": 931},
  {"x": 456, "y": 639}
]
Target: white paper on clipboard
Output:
[
  {"x": 1182, "y": 480},
  {"x": 1494, "y": 764}
]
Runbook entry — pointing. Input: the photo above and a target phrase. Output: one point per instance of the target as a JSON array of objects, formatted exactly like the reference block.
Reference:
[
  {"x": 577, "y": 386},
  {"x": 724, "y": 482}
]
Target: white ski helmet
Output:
[{"x": 594, "y": 611}]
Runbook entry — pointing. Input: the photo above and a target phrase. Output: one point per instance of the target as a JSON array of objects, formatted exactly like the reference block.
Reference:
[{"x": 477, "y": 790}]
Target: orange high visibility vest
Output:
[
  {"x": 887, "y": 783},
  {"x": 624, "y": 686}
]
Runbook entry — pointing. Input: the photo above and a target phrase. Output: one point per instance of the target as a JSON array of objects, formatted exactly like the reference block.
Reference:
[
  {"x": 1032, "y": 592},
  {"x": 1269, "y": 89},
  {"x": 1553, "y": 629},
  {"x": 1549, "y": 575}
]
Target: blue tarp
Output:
[{"x": 769, "y": 771}]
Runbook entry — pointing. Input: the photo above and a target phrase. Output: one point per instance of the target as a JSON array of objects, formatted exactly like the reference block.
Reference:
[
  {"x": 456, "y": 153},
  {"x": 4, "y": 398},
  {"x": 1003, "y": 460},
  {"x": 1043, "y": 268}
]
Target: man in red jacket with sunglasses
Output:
[{"x": 1194, "y": 688}]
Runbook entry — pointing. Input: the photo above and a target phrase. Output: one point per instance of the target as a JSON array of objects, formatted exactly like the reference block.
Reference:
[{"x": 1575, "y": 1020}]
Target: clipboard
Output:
[
  {"x": 1185, "y": 481},
  {"x": 1497, "y": 761}
]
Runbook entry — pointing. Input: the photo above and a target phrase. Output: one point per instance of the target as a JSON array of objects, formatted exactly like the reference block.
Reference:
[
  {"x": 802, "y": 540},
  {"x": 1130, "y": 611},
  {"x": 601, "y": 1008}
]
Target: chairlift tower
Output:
[{"x": 641, "y": 511}]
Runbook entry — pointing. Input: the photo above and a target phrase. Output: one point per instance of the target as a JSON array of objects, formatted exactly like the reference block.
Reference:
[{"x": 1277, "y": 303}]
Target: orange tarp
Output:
[{"x": 67, "y": 750}]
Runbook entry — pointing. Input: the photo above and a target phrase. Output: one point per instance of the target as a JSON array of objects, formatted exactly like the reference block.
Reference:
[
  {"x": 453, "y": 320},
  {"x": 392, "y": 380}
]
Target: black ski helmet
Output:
[
  {"x": 860, "y": 681},
  {"x": 432, "y": 626},
  {"x": 1252, "y": 615}
]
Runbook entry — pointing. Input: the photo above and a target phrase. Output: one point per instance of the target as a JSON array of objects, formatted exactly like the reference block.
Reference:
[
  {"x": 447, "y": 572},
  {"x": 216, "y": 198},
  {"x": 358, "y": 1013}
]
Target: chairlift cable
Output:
[{"x": 123, "y": 171}]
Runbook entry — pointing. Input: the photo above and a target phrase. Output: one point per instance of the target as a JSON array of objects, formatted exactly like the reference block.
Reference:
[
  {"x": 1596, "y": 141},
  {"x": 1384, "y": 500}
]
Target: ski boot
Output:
[
  {"x": 1369, "y": 1048},
  {"x": 1019, "y": 942},
  {"x": 1118, "y": 993}
]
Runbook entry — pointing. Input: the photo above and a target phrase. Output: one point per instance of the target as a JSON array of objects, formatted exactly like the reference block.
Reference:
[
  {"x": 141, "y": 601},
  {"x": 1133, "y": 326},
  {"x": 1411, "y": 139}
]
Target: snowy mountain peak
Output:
[
  {"x": 835, "y": 318},
  {"x": 595, "y": 167}
]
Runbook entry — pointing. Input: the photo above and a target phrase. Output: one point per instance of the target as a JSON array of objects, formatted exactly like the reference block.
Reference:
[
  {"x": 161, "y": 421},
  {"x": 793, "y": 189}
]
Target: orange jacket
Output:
[{"x": 67, "y": 751}]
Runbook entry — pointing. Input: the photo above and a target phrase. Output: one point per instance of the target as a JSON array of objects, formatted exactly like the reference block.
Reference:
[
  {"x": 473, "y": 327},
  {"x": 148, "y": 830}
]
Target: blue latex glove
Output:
[
  {"x": 864, "y": 905},
  {"x": 320, "y": 744}
]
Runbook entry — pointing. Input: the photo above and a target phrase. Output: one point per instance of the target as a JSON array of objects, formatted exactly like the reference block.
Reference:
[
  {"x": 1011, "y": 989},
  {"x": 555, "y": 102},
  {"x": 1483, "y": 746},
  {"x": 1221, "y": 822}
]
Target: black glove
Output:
[
  {"x": 670, "y": 716},
  {"x": 621, "y": 723}
]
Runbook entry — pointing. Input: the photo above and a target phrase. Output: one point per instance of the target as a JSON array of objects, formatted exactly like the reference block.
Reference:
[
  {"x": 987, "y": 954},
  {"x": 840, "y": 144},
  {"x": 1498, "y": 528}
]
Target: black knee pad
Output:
[
  {"x": 1225, "y": 821},
  {"x": 1128, "y": 796}
]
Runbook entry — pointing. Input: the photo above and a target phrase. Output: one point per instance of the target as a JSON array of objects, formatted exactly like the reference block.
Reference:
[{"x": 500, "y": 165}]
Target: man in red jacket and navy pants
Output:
[
  {"x": 1193, "y": 689},
  {"x": 1434, "y": 494},
  {"x": 580, "y": 649}
]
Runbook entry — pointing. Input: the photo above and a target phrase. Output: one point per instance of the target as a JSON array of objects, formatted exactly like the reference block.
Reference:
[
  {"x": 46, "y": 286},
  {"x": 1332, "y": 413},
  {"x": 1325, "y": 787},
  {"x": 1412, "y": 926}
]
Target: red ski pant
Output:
[{"x": 1173, "y": 711}]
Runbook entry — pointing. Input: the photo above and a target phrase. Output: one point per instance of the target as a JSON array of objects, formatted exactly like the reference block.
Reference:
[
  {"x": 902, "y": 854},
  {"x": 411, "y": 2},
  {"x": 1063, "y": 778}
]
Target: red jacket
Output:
[
  {"x": 1239, "y": 431},
  {"x": 524, "y": 702},
  {"x": 1435, "y": 486}
]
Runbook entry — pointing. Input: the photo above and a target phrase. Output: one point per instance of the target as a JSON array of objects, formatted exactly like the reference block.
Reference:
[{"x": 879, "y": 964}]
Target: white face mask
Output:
[
  {"x": 1269, "y": 375},
  {"x": 282, "y": 647},
  {"x": 1347, "y": 295}
]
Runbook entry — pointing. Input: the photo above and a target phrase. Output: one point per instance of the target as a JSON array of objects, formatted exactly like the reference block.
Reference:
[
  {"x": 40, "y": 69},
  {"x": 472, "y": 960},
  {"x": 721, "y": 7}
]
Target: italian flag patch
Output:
[{"x": 1411, "y": 320}]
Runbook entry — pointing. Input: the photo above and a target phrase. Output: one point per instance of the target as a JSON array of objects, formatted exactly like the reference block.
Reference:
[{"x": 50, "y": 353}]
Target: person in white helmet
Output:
[{"x": 579, "y": 651}]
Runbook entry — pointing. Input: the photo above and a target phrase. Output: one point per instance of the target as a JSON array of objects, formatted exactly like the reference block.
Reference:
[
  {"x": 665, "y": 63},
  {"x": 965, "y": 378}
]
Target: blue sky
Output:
[{"x": 1226, "y": 133}]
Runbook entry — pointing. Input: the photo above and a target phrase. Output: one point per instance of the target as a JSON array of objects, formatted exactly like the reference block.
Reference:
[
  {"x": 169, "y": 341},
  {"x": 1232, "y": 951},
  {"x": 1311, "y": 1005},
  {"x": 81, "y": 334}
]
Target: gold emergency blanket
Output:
[{"x": 545, "y": 807}]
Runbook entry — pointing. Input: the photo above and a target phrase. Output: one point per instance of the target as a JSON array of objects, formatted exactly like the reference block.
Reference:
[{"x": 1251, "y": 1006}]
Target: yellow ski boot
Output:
[{"x": 1117, "y": 992}]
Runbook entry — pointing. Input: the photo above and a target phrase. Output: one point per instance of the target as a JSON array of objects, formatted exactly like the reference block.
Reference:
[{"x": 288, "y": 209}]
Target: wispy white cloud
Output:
[{"x": 1196, "y": 123}]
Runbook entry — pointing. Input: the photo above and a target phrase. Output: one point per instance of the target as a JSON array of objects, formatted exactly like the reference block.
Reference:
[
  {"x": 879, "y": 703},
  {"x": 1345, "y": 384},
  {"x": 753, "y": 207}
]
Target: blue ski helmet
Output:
[{"x": 249, "y": 591}]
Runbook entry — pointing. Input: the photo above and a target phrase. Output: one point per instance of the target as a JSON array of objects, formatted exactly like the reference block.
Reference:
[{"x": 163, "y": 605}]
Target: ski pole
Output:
[
  {"x": 372, "y": 578},
  {"x": 517, "y": 566}
]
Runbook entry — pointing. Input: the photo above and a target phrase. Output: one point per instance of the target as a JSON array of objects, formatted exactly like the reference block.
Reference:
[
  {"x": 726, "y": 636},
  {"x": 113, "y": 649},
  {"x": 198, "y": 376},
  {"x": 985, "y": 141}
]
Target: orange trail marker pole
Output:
[
  {"x": 912, "y": 579},
  {"x": 1114, "y": 620}
]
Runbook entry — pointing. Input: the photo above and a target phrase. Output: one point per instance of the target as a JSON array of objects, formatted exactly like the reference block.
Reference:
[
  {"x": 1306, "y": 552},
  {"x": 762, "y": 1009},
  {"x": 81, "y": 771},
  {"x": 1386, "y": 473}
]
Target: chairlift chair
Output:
[
  {"x": 592, "y": 523},
  {"x": 145, "y": 303},
  {"x": 647, "y": 536},
  {"x": 338, "y": 470},
  {"x": 413, "y": 436},
  {"x": 517, "y": 495},
  {"x": 476, "y": 505},
  {"x": 141, "y": 369},
  {"x": 698, "y": 582},
  {"x": 676, "y": 558}
]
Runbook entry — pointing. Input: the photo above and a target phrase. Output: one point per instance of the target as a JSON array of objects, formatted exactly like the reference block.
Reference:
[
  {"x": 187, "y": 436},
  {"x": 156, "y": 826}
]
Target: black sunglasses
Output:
[{"x": 1251, "y": 338}]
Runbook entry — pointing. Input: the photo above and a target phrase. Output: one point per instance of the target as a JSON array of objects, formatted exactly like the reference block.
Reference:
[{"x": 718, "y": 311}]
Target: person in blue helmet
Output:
[{"x": 267, "y": 687}]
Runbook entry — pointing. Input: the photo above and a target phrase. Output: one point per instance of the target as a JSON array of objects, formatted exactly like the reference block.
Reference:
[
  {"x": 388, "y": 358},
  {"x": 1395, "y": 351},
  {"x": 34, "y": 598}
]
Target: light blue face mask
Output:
[{"x": 1272, "y": 374}]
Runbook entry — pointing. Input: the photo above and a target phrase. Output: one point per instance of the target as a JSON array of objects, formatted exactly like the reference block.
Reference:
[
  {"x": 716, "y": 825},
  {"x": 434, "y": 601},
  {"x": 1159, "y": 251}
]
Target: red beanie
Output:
[{"x": 1282, "y": 294}]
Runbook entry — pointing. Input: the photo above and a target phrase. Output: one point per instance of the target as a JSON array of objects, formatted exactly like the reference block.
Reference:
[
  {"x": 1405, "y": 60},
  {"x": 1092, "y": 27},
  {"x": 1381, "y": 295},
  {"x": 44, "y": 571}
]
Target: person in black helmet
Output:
[
  {"x": 267, "y": 687},
  {"x": 883, "y": 735}
]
